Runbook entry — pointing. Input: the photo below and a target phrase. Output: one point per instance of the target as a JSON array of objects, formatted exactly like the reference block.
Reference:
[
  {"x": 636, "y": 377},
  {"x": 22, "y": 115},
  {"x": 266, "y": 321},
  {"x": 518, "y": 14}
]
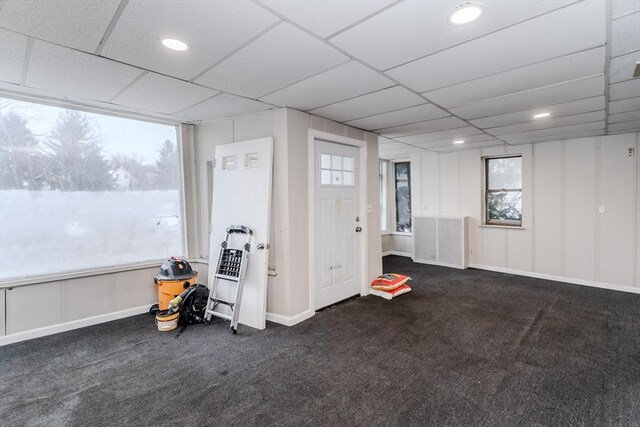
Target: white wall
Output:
[
  {"x": 288, "y": 288},
  {"x": 564, "y": 183},
  {"x": 38, "y": 309}
]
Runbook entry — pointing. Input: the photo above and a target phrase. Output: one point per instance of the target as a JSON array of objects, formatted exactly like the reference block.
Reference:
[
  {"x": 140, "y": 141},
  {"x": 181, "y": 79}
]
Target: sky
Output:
[{"x": 119, "y": 136}]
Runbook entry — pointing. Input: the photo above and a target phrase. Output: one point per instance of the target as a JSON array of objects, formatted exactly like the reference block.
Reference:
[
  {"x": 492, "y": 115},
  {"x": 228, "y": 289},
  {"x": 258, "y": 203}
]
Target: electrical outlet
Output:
[{"x": 601, "y": 209}]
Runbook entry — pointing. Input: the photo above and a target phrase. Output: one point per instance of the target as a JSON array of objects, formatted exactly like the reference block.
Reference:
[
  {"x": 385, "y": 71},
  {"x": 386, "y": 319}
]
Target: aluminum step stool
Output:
[{"x": 231, "y": 267}]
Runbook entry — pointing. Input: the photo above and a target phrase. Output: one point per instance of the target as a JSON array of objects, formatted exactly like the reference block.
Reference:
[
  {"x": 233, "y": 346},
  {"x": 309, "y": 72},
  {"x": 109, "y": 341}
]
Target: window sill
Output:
[
  {"x": 47, "y": 278},
  {"x": 508, "y": 227}
]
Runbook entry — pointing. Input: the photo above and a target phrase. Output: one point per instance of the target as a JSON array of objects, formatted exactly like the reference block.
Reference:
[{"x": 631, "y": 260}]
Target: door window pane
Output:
[
  {"x": 83, "y": 190},
  {"x": 347, "y": 178}
]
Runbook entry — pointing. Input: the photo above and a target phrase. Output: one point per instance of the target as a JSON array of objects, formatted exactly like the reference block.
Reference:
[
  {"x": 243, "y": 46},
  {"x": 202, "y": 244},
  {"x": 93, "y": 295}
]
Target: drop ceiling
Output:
[{"x": 393, "y": 67}]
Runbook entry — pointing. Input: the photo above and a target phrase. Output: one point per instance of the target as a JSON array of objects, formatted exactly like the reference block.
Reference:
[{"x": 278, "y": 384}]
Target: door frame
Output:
[{"x": 362, "y": 176}]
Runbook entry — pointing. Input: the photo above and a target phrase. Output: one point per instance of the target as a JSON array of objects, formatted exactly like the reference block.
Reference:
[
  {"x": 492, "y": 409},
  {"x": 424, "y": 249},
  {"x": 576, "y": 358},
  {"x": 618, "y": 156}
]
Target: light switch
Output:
[{"x": 601, "y": 209}]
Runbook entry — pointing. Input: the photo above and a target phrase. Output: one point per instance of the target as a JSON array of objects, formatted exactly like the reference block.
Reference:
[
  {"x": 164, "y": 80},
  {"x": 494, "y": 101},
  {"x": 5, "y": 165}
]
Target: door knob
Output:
[
  {"x": 263, "y": 246},
  {"x": 358, "y": 229}
]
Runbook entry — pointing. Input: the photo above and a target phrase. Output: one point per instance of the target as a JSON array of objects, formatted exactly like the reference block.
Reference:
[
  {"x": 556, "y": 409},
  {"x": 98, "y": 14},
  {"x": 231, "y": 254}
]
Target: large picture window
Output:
[
  {"x": 402, "y": 175},
  {"x": 81, "y": 190},
  {"x": 503, "y": 191}
]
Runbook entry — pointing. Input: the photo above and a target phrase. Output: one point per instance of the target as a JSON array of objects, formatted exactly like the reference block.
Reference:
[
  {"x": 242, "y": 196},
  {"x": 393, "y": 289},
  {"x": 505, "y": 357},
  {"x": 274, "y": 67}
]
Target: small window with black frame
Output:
[
  {"x": 402, "y": 175},
  {"x": 503, "y": 191}
]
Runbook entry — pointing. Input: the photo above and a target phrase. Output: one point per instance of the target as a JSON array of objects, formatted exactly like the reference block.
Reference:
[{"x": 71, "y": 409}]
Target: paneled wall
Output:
[
  {"x": 565, "y": 183},
  {"x": 76, "y": 302}
]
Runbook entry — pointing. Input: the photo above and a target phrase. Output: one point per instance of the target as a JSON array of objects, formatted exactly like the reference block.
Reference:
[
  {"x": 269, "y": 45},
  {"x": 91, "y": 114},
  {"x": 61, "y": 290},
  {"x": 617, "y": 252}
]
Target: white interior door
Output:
[
  {"x": 242, "y": 196},
  {"x": 337, "y": 210}
]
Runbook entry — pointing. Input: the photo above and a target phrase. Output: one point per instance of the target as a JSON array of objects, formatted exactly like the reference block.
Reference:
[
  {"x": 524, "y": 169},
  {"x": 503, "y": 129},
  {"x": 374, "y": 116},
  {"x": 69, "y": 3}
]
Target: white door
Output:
[
  {"x": 242, "y": 196},
  {"x": 337, "y": 222}
]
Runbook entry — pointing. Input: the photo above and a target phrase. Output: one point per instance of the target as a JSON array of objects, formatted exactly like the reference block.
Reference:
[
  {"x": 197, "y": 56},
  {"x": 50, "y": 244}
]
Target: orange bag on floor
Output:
[{"x": 389, "y": 282}]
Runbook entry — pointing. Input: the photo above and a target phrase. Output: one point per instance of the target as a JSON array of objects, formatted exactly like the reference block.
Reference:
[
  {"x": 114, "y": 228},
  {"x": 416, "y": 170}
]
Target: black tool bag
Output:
[{"x": 193, "y": 307}]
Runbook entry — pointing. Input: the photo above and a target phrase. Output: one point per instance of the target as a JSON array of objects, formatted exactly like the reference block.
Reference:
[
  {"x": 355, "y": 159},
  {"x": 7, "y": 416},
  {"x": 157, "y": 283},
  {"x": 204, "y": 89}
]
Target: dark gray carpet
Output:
[{"x": 465, "y": 348}]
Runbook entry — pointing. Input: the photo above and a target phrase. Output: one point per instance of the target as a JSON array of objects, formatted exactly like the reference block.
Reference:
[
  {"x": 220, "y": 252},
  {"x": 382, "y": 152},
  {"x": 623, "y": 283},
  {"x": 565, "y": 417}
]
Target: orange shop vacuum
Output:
[{"x": 174, "y": 277}]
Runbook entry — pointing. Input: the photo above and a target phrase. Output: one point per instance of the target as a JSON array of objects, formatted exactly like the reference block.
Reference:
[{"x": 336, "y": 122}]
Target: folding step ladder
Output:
[{"x": 231, "y": 267}]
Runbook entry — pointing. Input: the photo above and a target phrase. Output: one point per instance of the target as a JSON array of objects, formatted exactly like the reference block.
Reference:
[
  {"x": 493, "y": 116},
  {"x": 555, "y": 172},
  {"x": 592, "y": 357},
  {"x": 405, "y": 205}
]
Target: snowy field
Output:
[{"x": 45, "y": 232}]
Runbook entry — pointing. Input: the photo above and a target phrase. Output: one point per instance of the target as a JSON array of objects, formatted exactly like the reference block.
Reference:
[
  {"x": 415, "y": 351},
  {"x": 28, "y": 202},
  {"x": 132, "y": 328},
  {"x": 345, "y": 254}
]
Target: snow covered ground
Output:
[{"x": 44, "y": 232}]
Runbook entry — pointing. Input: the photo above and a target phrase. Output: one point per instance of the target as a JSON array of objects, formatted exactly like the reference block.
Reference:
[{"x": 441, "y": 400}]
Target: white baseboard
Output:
[
  {"x": 574, "y": 281},
  {"x": 69, "y": 326},
  {"x": 441, "y": 264},
  {"x": 404, "y": 254},
  {"x": 290, "y": 320}
]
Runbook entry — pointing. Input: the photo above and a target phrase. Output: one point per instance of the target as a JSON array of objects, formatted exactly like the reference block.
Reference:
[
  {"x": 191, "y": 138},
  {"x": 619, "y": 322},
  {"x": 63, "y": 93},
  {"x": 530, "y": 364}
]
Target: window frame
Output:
[
  {"x": 486, "y": 191},
  {"x": 383, "y": 174},
  {"x": 392, "y": 183},
  {"x": 32, "y": 279}
]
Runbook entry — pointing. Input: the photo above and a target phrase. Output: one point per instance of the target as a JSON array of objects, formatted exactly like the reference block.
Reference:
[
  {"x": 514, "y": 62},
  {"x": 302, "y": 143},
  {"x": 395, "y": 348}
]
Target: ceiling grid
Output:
[{"x": 394, "y": 67}]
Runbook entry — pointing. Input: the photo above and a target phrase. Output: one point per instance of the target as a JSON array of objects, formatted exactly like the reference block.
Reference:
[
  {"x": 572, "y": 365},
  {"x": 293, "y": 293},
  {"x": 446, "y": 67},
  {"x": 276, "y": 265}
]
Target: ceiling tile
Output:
[
  {"x": 136, "y": 38},
  {"x": 468, "y": 140},
  {"x": 400, "y": 117},
  {"x": 625, "y": 126},
  {"x": 422, "y": 127},
  {"x": 383, "y": 101},
  {"x": 415, "y": 28},
  {"x": 548, "y": 123},
  {"x": 568, "y": 108},
  {"x": 517, "y": 47},
  {"x": 465, "y": 146},
  {"x": 570, "y": 67},
  {"x": 621, "y": 68},
  {"x": 541, "y": 97},
  {"x": 223, "y": 105},
  {"x": 326, "y": 17},
  {"x": 569, "y": 135},
  {"x": 281, "y": 57},
  {"x": 554, "y": 133},
  {"x": 624, "y": 105},
  {"x": 624, "y": 90},
  {"x": 76, "y": 74},
  {"x": 452, "y": 134},
  {"x": 624, "y": 7},
  {"x": 625, "y": 34},
  {"x": 13, "y": 47},
  {"x": 77, "y": 24},
  {"x": 629, "y": 116},
  {"x": 401, "y": 153},
  {"x": 154, "y": 92},
  {"x": 390, "y": 146},
  {"x": 343, "y": 82}
]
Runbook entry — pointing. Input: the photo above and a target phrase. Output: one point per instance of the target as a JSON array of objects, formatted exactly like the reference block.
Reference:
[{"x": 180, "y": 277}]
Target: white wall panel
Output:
[
  {"x": 33, "y": 306},
  {"x": 548, "y": 206},
  {"x": 3, "y": 314},
  {"x": 386, "y": 243},
  {"x": 132, "y": 289},
  {"x": 617, "y": 224},
  {"x": 494, "y": 247},
  {"x": 88, "y": 296},
  {"x": 471, "y": 198},
  {"x": 449, "y": 185},
  {"x": 580, "y": 207},
  {"x": 430, "y": 185},
  {"x": 520, "y": 242}
]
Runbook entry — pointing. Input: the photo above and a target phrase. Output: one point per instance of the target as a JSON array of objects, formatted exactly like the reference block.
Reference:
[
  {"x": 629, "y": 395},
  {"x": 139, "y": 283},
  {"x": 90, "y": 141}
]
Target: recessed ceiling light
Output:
[
  {"x": 466, "y": 14},
  {"x": 459, "y": 141},
  {"x": 541, "y": 115},
  {"x": 175, "y": 44}
]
